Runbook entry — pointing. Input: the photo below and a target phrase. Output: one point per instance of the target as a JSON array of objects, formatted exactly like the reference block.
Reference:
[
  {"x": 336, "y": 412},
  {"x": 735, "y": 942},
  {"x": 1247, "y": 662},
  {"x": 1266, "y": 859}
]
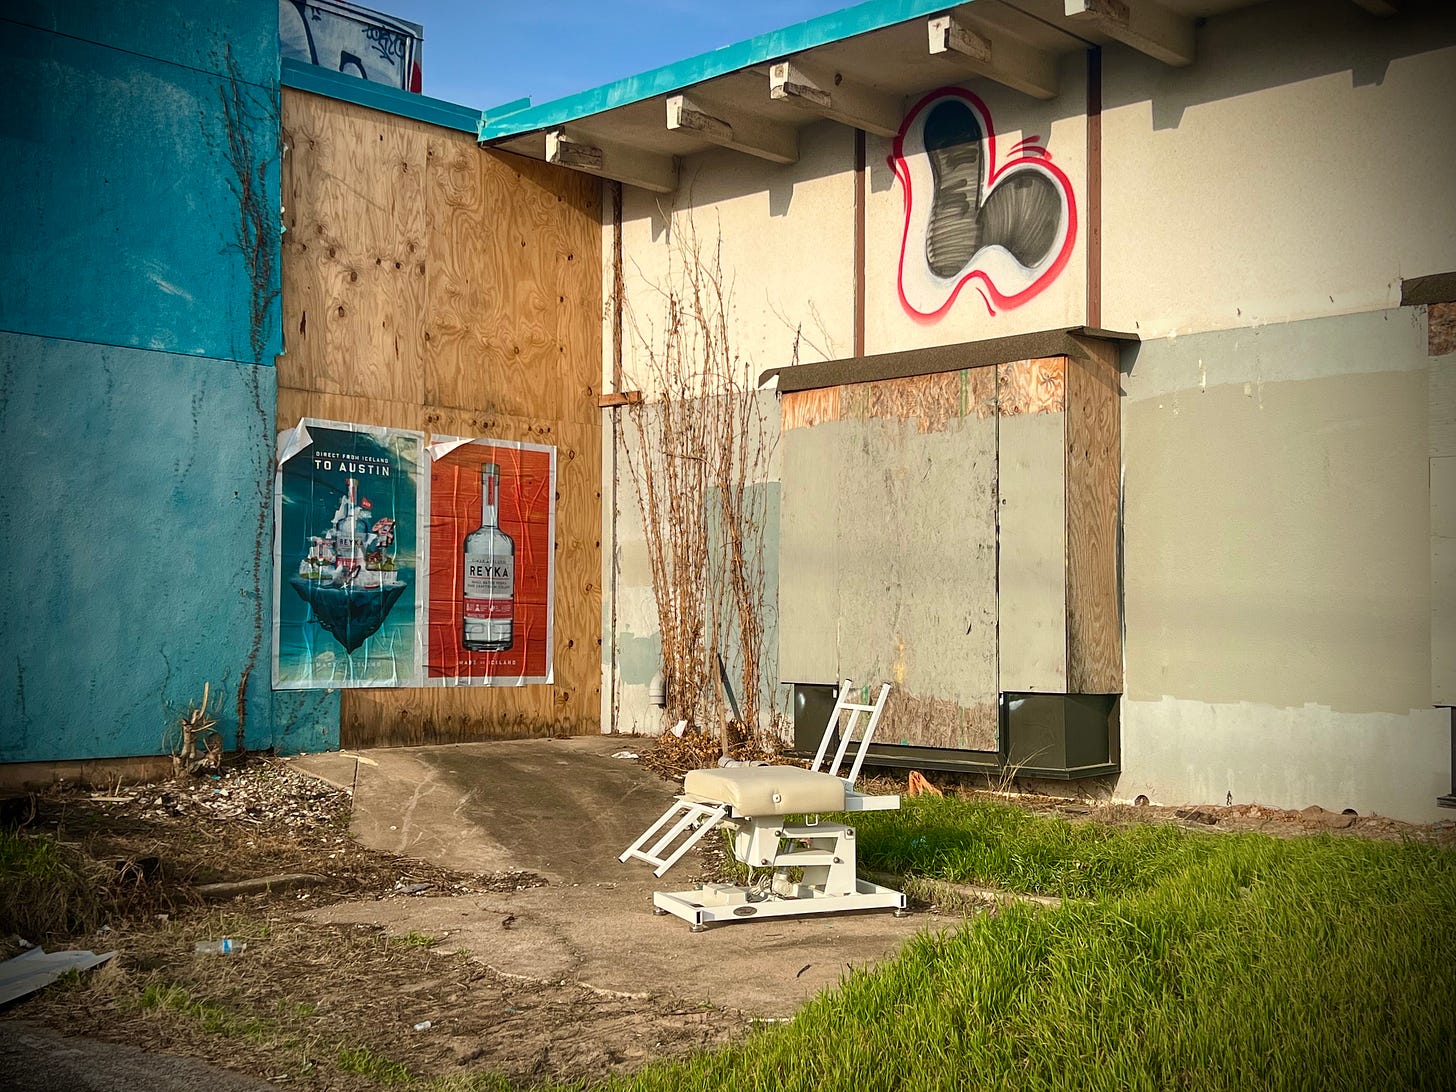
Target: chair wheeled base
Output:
[{"x": 811, "y": 864}]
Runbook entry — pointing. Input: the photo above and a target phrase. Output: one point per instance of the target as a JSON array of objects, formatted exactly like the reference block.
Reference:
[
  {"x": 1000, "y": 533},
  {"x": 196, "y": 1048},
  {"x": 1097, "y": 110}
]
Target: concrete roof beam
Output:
[
  {"x": 994, "y": 56},
  {"x": 833, "y": 95},
  {"x": 716, "y": 124},
  {"x": 1143, "y": 25},
  {"x": 609, "y": 159}
]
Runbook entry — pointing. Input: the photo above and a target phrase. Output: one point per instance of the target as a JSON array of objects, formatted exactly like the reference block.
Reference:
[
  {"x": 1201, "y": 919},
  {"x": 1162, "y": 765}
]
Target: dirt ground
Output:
[{"x": 348, "y": 1007}]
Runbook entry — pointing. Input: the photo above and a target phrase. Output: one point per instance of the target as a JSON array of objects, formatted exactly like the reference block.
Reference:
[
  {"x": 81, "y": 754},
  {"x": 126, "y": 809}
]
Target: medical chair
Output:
[{"x": 755, "y": 801}]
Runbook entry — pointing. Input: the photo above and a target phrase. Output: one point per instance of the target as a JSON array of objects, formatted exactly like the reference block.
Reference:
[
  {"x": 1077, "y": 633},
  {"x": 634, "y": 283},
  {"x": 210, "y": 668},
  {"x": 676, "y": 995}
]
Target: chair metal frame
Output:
[{"x": 822, "y": 852}]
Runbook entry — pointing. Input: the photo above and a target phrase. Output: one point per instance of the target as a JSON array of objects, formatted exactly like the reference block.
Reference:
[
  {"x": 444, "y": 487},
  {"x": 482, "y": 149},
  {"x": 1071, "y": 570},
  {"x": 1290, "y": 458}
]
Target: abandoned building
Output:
[{"x": 1099, "y": 357}]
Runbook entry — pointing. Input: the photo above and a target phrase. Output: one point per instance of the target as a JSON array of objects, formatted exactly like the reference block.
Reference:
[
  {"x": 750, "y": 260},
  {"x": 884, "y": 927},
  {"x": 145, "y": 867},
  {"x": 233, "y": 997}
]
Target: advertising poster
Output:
[
  {"x": 492, "y": 562},
  {"x": 349, "y": 593}
]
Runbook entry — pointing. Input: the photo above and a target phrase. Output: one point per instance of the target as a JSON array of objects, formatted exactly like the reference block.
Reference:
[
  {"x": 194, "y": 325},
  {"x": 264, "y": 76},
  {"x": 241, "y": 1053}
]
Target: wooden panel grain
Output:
[
  {"x": 353, "y": 259},
  {"x": 1093, "y": 462},
  {"x": 1037, "y": 385},
  {"x": 514, "y": 321},
  {"x": 430, "y": 285}
]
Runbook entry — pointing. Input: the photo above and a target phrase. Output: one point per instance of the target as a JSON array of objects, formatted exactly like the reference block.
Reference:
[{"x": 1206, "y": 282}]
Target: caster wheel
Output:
[
  {"x": 902, "y": 913},
  {"x": 697, "y": 928},
  {"x": 659, "y": 911}
]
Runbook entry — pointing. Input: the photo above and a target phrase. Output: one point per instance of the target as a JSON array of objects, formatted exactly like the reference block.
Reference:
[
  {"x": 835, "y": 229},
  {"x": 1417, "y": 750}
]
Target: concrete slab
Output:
[
  {"x": 565, "y": 809},
  {"x": 549, "y": 806},
  {"x": 605, "y": 937}
]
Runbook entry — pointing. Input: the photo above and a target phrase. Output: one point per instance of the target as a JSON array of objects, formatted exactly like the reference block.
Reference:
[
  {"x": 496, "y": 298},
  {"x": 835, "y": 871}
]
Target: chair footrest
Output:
[{"x": 686, "y": 821}]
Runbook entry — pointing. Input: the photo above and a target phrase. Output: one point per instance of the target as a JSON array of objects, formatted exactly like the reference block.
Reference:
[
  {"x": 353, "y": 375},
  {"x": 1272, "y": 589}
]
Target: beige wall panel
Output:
[
  {"x": 1443, "y": 581},
  {"x": 889, "y": 326},
  {"x": 1278, "y": 536},
  {"x": 809, "y": 561},
  {"x": 1094, "y": 465},
  {"x": 1264, "y": 183},
  {"x": 353, "y": 255},
  {"x": 1442, "y": 393},
  {"x": 1033, "y": 579},
  {"x": 917, "y": 575},
  {"x": 787, "y": 251},
  {"x": 1193, "y": 752}
]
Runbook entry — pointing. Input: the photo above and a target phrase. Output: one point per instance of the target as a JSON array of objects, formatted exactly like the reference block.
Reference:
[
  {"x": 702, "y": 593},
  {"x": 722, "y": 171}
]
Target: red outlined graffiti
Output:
[{"x": 1006, "y": 228}]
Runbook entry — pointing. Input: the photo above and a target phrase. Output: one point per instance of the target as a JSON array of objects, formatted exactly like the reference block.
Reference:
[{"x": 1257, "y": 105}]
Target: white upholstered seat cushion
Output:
[{"x": 766, "y": 790}]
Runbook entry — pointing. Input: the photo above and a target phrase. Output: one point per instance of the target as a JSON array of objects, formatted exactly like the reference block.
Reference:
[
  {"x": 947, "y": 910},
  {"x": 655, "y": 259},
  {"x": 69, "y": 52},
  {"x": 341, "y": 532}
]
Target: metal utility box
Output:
[
  {"x": 1060, "y": 735},
  {"x": 1056, "y": 736}
]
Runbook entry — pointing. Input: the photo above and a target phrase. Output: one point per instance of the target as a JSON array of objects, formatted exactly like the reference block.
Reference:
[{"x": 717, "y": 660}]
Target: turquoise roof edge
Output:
[
  {"x": 833, "y": 27},
  {"x": 378, "y": 96}
]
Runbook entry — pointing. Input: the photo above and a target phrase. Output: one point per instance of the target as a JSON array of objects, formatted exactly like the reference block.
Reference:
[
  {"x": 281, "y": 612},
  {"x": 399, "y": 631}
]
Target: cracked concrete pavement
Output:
[{"x": 564, "y": 809}]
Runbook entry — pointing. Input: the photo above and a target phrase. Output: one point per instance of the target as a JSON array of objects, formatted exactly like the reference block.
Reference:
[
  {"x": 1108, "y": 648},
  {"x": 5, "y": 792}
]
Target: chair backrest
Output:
[{"x": 862, "y": 720}]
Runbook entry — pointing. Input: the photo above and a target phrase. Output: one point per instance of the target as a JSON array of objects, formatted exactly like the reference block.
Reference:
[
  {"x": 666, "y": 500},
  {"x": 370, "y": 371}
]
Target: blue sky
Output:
[{"x": 482, "y": 53}]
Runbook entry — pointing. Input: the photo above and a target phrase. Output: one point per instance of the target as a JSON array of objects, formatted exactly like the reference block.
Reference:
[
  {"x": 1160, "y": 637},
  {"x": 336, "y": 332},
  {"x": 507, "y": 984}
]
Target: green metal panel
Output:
[
  {"x": 378, "y": 96},
  {"x": 834, "y": 27}
]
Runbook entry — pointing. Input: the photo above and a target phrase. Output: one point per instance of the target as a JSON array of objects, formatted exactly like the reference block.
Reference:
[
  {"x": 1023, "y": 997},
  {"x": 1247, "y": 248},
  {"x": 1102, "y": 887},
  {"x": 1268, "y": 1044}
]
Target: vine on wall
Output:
[{"x": 702, "y": 444}]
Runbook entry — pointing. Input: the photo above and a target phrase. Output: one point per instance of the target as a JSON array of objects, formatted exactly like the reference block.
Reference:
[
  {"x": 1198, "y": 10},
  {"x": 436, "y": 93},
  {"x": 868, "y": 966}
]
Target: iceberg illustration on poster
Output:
[{"x": 351, "y": 507}]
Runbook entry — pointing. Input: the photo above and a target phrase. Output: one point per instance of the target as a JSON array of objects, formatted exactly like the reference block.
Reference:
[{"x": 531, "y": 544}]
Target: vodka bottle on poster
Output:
[{"x": 490, "y": 574}]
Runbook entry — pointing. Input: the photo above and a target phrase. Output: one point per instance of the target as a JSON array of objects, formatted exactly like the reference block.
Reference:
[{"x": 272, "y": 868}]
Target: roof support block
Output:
[
  {"x": 620, "y": 162},
  {"x": 831, "y": 96},
  {"x": 776, "y": 143},
  {"x": 1004, "y": 59},
  {"x": 1143, "y": 25}
]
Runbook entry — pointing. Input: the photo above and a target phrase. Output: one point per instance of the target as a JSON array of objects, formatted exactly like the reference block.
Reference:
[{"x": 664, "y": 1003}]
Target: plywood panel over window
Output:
[
  {"x": 956, "y": 535},
  {"x": 428, "y": 284},
  {"x": 887, "y": 550}
]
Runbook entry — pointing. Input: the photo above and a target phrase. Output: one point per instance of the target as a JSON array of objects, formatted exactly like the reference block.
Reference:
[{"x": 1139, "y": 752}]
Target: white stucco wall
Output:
[{"x": 1302, "y": 166}]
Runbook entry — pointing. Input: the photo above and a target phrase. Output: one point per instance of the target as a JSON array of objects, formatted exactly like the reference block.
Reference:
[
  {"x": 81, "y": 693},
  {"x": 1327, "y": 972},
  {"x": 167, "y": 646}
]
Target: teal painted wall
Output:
[{"x": 139, "y": 320}]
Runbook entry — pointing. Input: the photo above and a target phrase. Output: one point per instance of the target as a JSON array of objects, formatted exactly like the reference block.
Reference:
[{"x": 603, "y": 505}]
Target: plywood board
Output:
[
  {"x": 354, "y": 271},
  {"x": 514, "y": 311},
  {"x": 917, "y": 574},
  {"x": 430, "y": 285},
  {"x": 888, "y": 553},
  {"x": 448, "y": 715},
  {"x": 1038, "y": 385},
  {"x": 1093, "y": 463},
  {"x": 1033, "y": 550}
]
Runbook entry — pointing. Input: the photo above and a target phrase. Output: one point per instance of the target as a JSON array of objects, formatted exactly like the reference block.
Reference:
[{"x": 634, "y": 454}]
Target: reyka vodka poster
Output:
[
  {"x": 349, "y": 593},
  {"x": 491, "y": 562}
]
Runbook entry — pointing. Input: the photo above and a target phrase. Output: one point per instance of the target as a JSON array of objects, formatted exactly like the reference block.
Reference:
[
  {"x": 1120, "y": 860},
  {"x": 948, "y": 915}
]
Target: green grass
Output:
[
  {"x": 970, "y": 841},
  {"x": 1184, "y": 960},
  {"x": 209, "y": 1016},
  {"x": 375, "y": 1067},
  {"x": 47, "y": 890}
]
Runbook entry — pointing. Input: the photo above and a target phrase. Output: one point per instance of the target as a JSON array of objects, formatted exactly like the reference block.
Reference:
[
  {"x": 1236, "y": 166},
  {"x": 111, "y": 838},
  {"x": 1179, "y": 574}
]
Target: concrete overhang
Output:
[
  {"x": 1065, "y": 341},
  {"x": 860, "y": 67}
]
